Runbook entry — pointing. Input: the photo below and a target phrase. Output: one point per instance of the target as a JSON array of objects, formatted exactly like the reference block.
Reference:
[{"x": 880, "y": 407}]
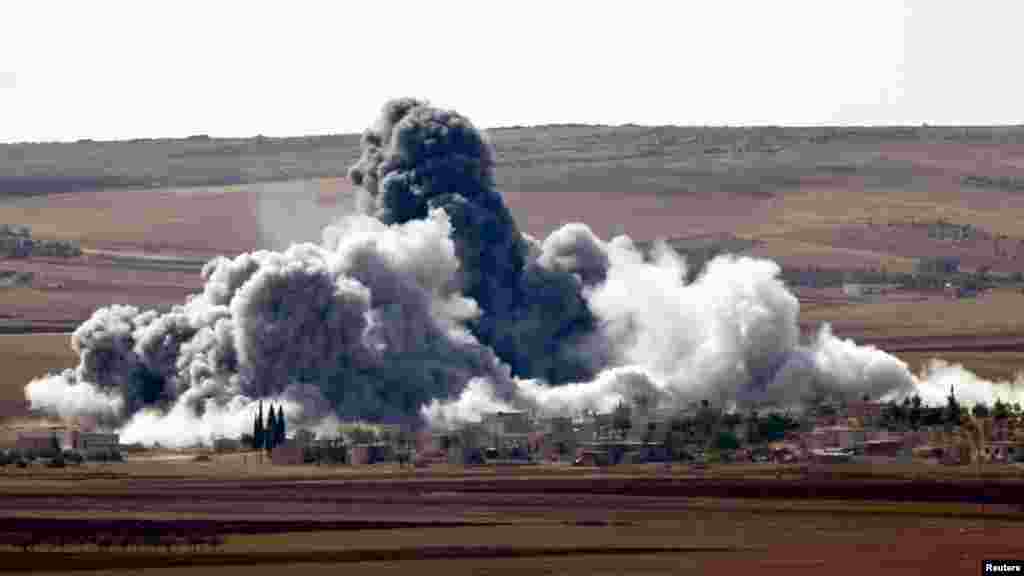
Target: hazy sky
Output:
[{"x": 111, "y": 69}]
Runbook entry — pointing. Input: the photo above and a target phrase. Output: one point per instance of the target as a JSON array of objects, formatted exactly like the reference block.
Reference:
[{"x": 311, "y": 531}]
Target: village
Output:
[{"x": 701, "y": 434}]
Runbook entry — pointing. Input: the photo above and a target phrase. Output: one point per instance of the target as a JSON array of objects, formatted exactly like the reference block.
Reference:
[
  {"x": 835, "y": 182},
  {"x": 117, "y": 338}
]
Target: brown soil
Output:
[{"x": 595, "y": 523}]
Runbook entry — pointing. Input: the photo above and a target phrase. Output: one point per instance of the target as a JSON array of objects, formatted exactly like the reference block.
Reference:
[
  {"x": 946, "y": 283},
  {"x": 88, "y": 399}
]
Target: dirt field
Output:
[{"x": 536, "y": 520}]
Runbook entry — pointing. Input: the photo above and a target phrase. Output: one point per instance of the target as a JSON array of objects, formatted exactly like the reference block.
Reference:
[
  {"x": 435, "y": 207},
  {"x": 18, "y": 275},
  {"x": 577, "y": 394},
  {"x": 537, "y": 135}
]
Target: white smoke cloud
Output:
[
  {"x": 731, "y": 336},
  {"x": 63, "y": 396},
  {"x": 938, "y": 376},
  {"x": 477, "y": 399},
  {"x": 434, "y": 306}
]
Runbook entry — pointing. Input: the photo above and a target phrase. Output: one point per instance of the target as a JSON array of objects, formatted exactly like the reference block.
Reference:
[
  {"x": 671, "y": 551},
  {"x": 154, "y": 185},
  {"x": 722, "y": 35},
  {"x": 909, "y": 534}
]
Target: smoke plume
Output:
[{"x": 430, "y": 304}]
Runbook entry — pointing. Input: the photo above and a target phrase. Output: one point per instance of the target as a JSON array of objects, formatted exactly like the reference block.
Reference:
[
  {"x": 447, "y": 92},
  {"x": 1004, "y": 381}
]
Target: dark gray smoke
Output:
[
  {"x": 417, "y": 158},
  {"x": 433, "y": 304},
  {"x": 368, "y": 325}
]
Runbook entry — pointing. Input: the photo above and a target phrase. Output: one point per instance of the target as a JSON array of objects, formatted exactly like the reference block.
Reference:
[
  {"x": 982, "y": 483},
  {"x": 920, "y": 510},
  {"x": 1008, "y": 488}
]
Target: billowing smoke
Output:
[
  {"x": 371, "y": 324},
  {"x": 417, "y": 158},
  {"x": 431, "y": 304}
]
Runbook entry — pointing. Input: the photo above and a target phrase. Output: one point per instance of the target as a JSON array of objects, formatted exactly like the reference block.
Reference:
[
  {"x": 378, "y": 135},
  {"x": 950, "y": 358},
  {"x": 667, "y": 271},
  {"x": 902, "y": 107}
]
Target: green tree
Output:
[
  {"x": 753, "y": 431},
  {"x": 773, "y": 427},
  {"x": 706, "y": 421},
  {"x": 894, "y": 415},
  {"x": 281, "y": 431},
  {"x": 257, "y": 429},
  {"x": 1001, "y": 411},
  {"x": 916, "y": 413},
  {"x": 726, "y": 441},
  {"x": 951, "y": 416},
  {"x": 271, "y": 429},
  {"x": 980, "y": 410}
]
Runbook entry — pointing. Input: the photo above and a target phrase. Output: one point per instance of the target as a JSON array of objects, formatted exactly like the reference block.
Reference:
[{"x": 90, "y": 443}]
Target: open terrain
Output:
[
  {"x": 148, "y": 214},
  {"x": 381, "y": 519}
]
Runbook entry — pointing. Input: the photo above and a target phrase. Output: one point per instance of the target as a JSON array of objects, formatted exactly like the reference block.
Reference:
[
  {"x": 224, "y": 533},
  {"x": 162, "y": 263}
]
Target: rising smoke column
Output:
[
  {"x": 433, "y": 304},
  {"x": 417, "y": 158}
]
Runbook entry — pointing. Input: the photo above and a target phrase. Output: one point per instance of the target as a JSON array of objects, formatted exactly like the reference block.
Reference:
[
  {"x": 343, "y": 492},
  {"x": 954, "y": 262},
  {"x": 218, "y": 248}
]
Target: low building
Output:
[
  {"x": 227, "y": 444},
  {"x": 834, "y": 437},
  {"x": 289, "y": 453},
  {"x": 304, "y": 438},
  {"x": 868, "y": 414},
  {"x": 461, "y": 455},
  {"x": 506, "y": 423},
  {"x": 363, "y": 454},
  {"x": 97, "y": 443},
  {"x": 40, "y": 440},
  {"x": 506, "y": 432},
  {"x": 557, "y": 439}
]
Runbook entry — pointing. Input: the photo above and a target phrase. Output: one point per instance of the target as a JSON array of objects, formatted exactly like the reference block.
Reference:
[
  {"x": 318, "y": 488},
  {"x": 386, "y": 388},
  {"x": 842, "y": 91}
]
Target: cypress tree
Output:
[
  {"x": 257, "y": 431},
  {"x": 271, "y": 429},
  {"x": 280, "y": 425}
]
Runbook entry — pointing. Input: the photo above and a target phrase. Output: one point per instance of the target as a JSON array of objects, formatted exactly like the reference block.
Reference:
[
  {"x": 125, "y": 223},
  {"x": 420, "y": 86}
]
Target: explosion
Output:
[{"x": 430, "y": 304}]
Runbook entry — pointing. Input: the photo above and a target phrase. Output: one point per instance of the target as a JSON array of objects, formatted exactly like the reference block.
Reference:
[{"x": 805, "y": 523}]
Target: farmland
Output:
[
  {"x": 148, "y": 214},
  {"x": 807, "y": 198},
  {"x": 539, "y": 518}
]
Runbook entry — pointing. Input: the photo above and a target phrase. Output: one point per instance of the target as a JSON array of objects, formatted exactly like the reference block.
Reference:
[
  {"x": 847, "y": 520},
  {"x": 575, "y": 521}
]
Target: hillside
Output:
[
  {"x": 667, "y": 159},
  {"x": 822, "y": 202}
]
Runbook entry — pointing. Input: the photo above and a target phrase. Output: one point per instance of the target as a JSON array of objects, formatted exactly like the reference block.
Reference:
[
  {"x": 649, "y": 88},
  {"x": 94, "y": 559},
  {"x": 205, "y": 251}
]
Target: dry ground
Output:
[{"x": 516, "y": 526}]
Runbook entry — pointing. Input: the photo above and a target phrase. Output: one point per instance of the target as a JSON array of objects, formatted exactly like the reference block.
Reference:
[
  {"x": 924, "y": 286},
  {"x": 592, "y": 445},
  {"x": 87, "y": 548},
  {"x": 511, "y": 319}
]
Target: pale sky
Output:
[{"x": 113, "y": 70}]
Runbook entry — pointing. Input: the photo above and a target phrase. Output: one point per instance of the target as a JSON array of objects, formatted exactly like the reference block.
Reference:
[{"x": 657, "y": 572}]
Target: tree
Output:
[
  {"x": 980, "y": 410},
  {"x": 670, "y": 442},
  {"x": 1001, "y": 411},
  {"x": 894, "y": 414},
  {"x": 280, "y": 425},
  {"x": 753, "y": 431},
  {"x": 706, "y": 420},
  {"x": 773, "y": 427},
  {"x": 271, "y": 430},
  {"x": 915, "y": 412},
  {"x": 257, "y": 429},
  {"x": 953, "y": 412},
  {"x": 727, "y": 441}
]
